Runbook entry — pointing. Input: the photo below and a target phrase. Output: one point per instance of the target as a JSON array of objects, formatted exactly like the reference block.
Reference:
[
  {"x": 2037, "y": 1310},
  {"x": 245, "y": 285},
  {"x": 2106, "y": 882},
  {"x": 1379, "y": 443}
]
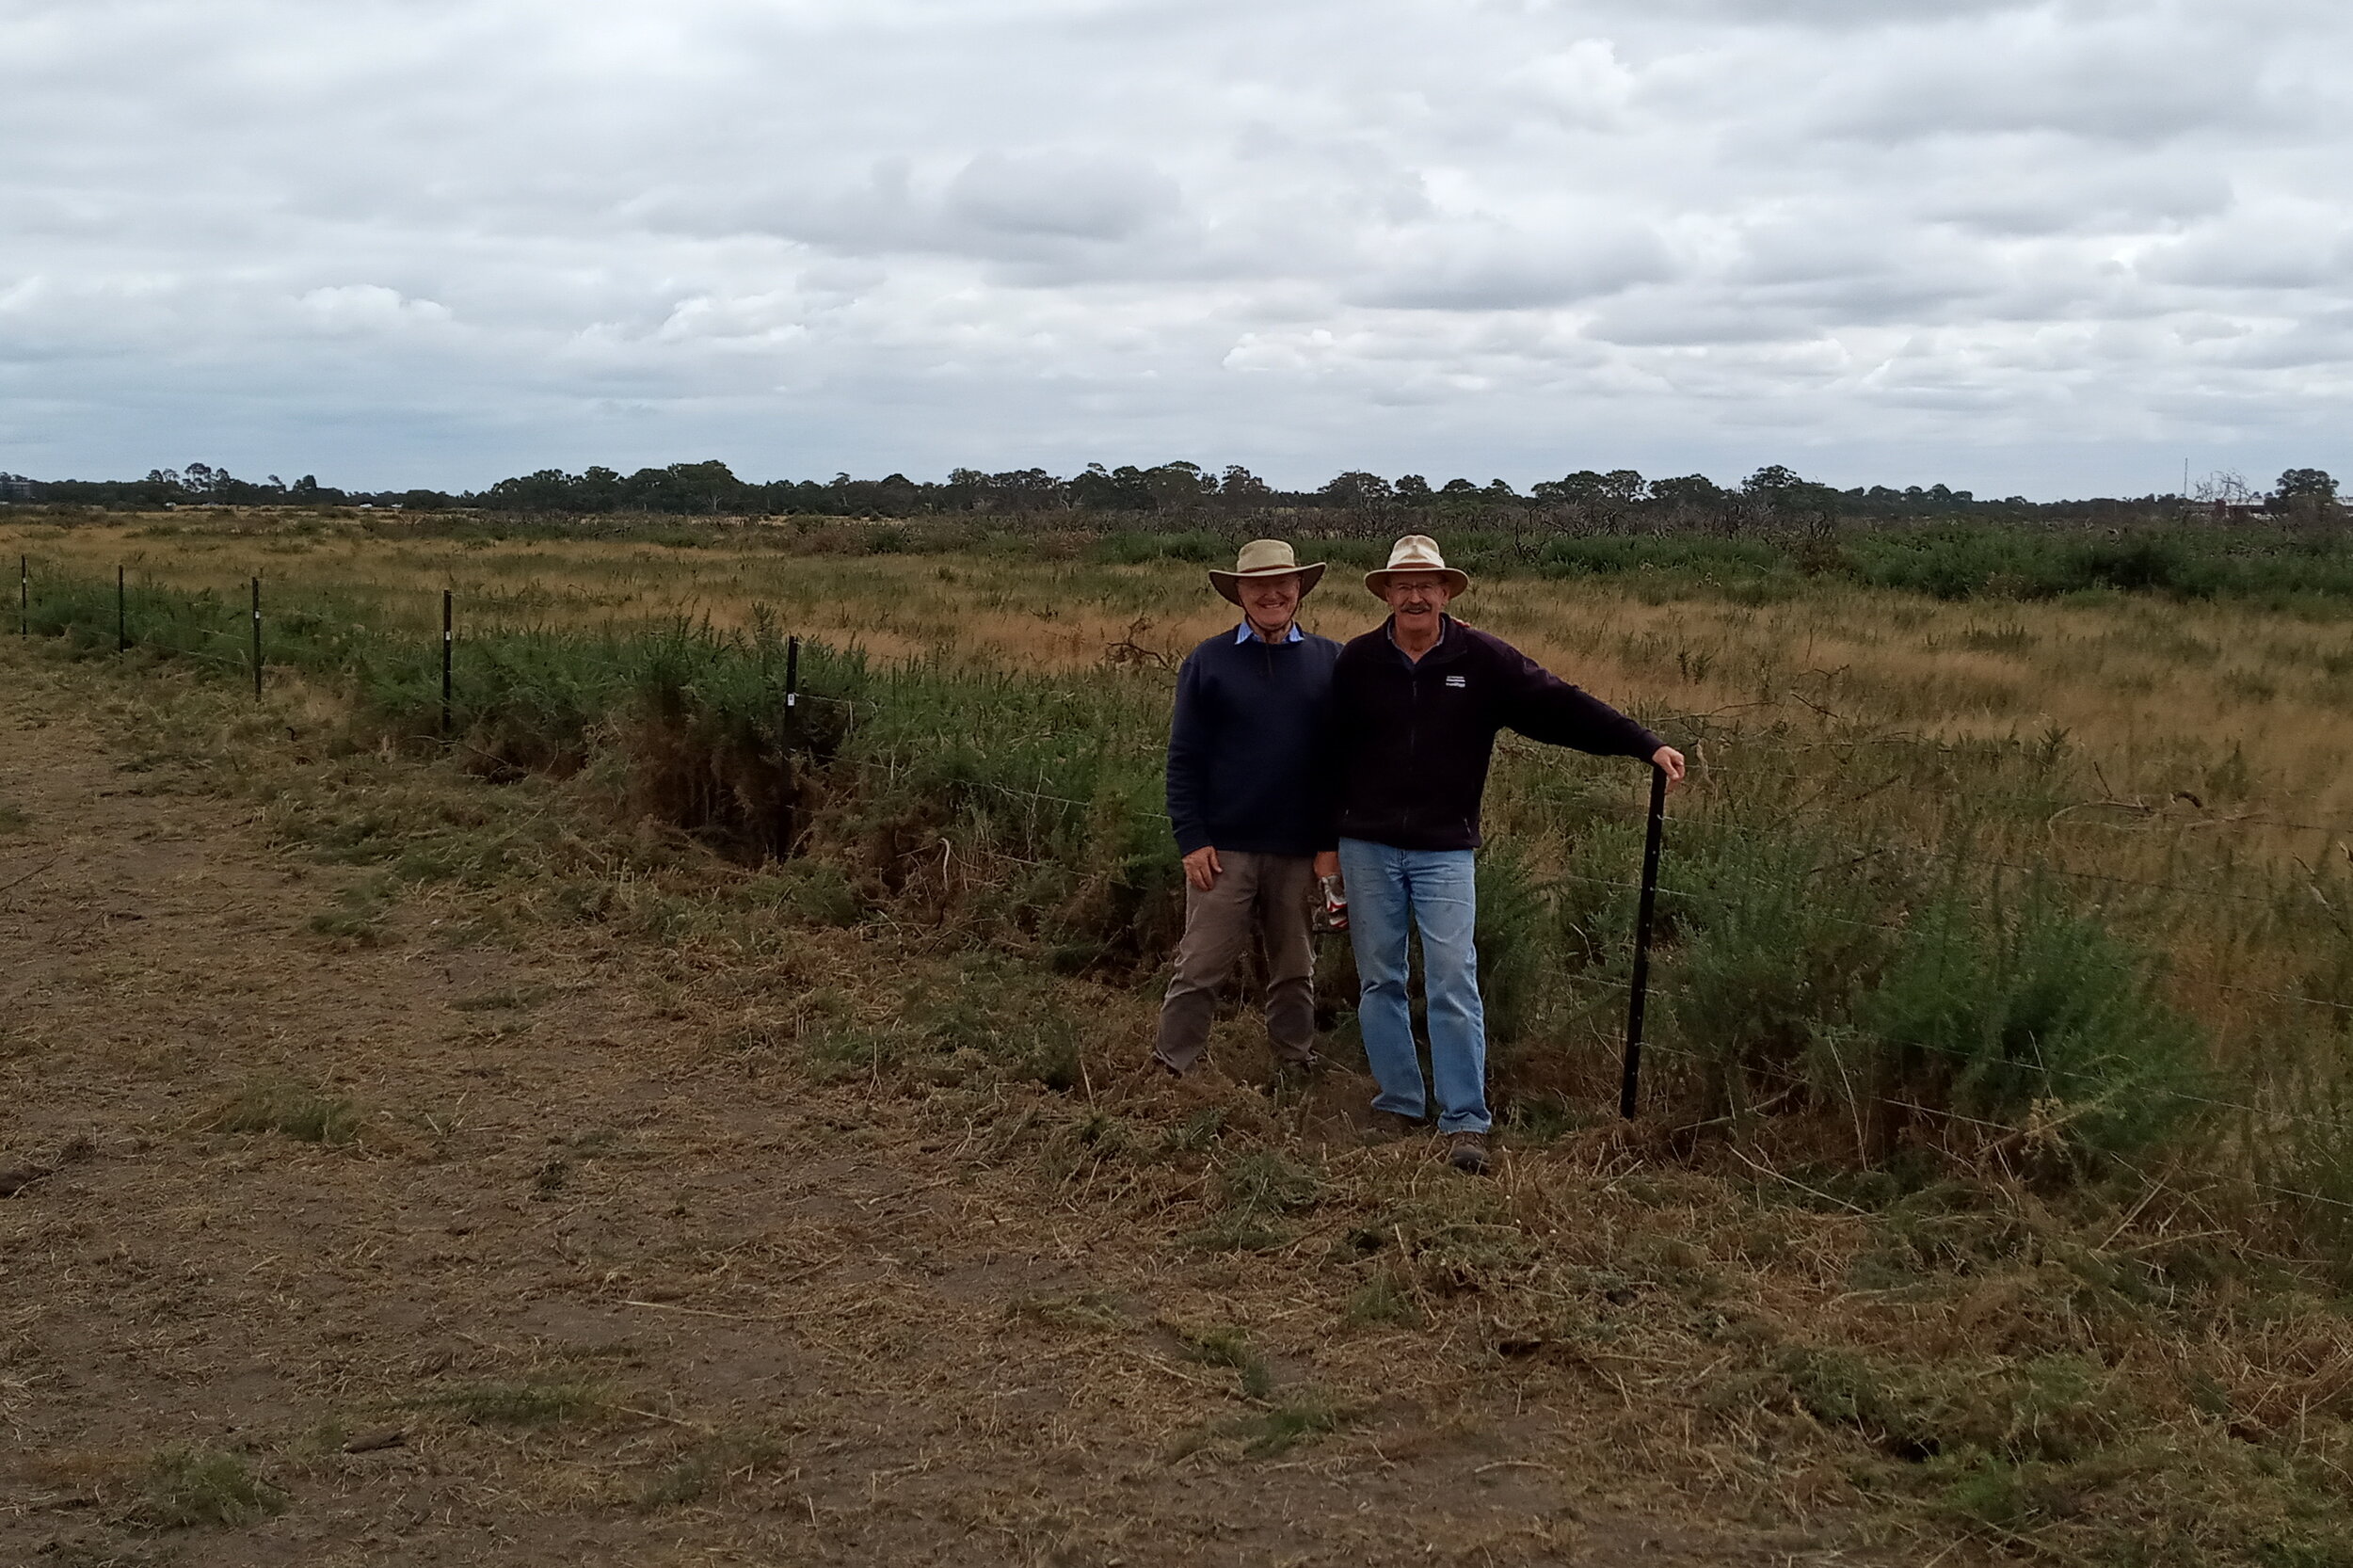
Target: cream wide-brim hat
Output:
[
  {"x": 1265, "y": 558},
  {"x": 1415, "y": 552}
]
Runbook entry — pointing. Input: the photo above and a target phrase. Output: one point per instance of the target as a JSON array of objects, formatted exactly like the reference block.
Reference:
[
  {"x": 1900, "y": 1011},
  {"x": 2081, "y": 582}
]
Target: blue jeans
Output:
[{"x": 1436, "y": 891}]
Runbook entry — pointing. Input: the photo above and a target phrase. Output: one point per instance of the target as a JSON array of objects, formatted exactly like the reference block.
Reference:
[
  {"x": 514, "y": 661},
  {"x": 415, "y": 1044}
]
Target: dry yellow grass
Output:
[
  {"x": 2206, "y": 747},
  {"x": 2157, "y": 691}
]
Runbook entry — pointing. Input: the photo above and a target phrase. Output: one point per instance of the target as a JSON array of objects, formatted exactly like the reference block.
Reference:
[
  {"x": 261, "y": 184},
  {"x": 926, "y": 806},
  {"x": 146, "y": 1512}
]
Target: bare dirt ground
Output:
[{"x": 585, "y": 1288}]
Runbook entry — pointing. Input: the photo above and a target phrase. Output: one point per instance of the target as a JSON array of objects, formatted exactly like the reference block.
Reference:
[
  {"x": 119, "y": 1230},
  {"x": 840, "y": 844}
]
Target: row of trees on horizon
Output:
[{"x": 1185, "y": 490}]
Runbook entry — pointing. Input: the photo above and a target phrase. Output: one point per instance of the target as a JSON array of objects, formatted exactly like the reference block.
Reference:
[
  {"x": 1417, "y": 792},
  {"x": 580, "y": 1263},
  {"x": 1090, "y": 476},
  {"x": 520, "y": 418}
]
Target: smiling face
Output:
[
  {"x": 1417, "y": 599},
  {"x": 1269, "y": 602}
]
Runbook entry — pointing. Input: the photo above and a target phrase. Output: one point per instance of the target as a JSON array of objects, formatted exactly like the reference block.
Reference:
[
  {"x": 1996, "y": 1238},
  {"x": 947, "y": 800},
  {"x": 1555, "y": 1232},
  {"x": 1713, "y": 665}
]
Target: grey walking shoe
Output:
[{"x": 1468, "y": 1153}]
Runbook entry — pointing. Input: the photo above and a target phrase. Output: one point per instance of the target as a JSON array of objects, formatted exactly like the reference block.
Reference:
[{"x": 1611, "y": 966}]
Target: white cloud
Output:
[
  {"x": 368, "y": 308},
  {"x": 1583, "y": 85},
  {"x": 2040, "y": 248}
]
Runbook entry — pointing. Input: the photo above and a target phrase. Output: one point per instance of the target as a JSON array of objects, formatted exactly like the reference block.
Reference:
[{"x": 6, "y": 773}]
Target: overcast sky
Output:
[{"x": 2048, "y": 250}]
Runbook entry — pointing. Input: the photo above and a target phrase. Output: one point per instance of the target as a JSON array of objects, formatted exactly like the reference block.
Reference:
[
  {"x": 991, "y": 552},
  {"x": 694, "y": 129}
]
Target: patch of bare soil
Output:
[{"x": 319, "y": 1252}]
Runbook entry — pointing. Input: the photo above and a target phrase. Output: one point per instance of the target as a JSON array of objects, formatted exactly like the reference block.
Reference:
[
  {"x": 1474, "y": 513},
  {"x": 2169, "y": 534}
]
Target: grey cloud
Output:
[
  {"x": 2125, "y": 81},
  {"x": 2039, "y": 189},
  {"x": 1877, "y": 15},
  {"x": 1657, "y": 319},
  {"x": 875, "y": 211},
  {"x": 2305, "y": 250},
  {"x": 1059, "y": 195},
  {"x": 1051, "y": 216},
  {"x": 1494, "y": 269},
  {"x": 432, "y": 241}
]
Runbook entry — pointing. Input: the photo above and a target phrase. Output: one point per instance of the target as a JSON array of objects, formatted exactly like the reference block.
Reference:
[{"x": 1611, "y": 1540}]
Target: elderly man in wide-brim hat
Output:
[
  {"x": 1415, "y": 705},
  {"x": 1246, "y": 801}
]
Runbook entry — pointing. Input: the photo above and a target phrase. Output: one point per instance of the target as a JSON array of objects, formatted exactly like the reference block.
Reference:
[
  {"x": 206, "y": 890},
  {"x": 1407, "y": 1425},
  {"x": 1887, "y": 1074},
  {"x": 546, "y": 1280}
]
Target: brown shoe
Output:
[
  {"x": 1387, "y": 1126},
  {"x": 1468, "y": 1153},
  {"x": 1292, "y": 1074}
]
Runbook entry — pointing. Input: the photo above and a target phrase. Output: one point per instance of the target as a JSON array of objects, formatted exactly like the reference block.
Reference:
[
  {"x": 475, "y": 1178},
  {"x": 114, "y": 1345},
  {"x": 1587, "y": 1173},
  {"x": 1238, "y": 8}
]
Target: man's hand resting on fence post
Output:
[
  {"x": 1201, "y": 868},
  {"x": 1667, "y": 759}
]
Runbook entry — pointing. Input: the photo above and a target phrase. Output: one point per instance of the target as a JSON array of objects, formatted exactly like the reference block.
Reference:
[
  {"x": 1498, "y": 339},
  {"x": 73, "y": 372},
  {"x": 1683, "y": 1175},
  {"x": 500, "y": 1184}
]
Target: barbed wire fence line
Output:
[{"x": 215, "y": 647}]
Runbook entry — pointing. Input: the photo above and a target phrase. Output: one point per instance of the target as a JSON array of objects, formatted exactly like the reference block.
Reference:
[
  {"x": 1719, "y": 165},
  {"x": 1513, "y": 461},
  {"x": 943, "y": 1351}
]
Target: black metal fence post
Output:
[
  {"x": 1630, "y": 1075},
  {"x": 122, "y": 615},
  {"x": 791, "y": 671},
  {"x": 257, "y": 639},
  {"x": 24, "y": 596},
  {"x": 448, "y": 643}
]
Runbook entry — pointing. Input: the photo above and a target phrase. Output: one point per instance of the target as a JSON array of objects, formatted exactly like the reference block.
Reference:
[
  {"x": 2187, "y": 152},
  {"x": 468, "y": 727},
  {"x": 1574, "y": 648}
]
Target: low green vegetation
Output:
[
  {"x": 190, "y": 1487},
  {"x": 1861, "y": 941},
  {"x": 2265, "y": 560},
  {"x": 1274, "y": 1431},
  {"x": 1379, "y": 1301},
  {"x": 1266, "y": 1182},
  {"x": 293, "y": 1111},
  {"x": 1280, "y": 1421},
  {"x": 2259, "y": 561},
  {"x": 703, "y": 1471},
  {"x": 533, "y": 1401}
]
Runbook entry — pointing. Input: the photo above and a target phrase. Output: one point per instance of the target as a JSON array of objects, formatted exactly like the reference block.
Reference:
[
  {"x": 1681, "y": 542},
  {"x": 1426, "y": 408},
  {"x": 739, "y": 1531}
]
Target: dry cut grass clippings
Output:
[
  {"x": 534, "y": 1401},
  {"x": 704, "y": 1471}
]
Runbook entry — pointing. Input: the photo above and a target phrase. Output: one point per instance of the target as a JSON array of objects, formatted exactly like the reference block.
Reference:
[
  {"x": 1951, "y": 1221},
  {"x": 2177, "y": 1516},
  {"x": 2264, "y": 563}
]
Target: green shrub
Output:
[
  {"x": 1772, "y": 943},
  {"x": 2026, "y": 1011},
  {"x": 1695, "y": 554},
  {"x": 1195, "y": 545},
  {"x": 1513, "y": 936}
]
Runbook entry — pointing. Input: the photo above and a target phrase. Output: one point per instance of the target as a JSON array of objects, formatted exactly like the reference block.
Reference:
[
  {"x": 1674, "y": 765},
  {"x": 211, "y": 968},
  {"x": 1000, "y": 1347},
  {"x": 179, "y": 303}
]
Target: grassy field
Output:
[
  {"x": 2180, "y": 769},
  {"x": 1993, "y": 1182}
]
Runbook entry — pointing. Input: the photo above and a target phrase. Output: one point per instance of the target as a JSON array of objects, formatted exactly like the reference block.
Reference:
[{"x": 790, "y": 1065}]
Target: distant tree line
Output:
[{"x": 1178, "y": 493}]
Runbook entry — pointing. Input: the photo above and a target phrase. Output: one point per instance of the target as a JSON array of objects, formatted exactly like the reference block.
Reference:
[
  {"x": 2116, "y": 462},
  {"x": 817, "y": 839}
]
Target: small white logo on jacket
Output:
[{"x": 1456, "y": 681}]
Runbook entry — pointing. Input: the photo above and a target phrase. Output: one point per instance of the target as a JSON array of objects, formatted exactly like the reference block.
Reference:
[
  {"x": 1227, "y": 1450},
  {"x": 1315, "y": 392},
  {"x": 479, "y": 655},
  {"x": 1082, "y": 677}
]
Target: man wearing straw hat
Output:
[
  {"x": 1252, "y": 827},
  {"x": 1415, "y": 705}
]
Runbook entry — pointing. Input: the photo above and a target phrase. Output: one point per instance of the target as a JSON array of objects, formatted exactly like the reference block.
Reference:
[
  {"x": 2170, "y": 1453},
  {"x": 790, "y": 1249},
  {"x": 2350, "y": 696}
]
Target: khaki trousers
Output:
[{"x": 1260, "y": 895}]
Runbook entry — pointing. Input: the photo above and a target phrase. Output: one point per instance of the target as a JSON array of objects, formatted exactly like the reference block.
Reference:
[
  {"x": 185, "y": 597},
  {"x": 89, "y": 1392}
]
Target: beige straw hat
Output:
[
  {"x": 1416, "y": 553},
  {"x": 1266, "y": 558}
]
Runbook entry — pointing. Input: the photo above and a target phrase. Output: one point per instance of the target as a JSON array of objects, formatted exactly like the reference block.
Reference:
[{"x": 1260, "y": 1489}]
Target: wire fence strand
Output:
[{"x": 892, "y": 766}]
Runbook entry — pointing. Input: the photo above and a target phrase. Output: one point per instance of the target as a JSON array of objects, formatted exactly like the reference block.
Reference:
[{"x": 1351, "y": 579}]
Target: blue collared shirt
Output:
[{"x": 1243, "y": 633}]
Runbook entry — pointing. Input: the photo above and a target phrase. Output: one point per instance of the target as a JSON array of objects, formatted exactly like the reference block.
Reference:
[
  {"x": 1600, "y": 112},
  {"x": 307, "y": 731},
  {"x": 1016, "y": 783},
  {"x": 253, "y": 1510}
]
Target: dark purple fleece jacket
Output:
[{"x": 1410, "y": 740}]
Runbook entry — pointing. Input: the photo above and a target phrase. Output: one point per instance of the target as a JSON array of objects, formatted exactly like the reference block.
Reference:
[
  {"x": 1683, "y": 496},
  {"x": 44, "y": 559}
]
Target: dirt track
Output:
[{"x": 812, "y": 1324}]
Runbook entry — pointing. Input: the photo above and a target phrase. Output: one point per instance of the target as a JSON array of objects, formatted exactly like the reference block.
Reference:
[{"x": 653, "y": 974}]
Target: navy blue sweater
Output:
[
  {"x": 1410, "y": 740},
  {"x": 1243, "y": 748}
]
